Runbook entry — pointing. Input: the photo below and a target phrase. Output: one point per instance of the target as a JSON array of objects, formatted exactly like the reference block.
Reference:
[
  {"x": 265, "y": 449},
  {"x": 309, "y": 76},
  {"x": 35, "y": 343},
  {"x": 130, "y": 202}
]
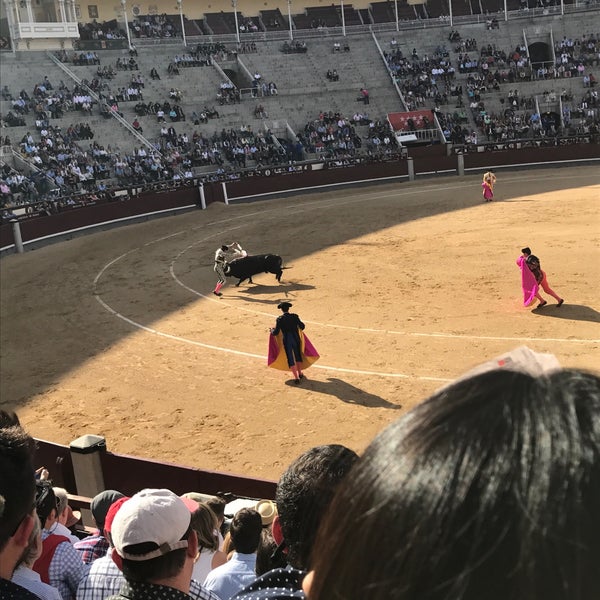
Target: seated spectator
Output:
[
  {"x": 205, "y": 524},
  {"x": 67, "y": 518},
  {"x": 336, "y": 47},
  {"x": 481, "y": 491},
  {"x": 96, "y": 545},
  {"x": 154, "y": 74},
  {"x": 17, "y": 491},
  {"x": 25, "y": 576},
  {"x": 238, "y": 571},
  {"x": 60, "y": 565},
  {"x": 267, "y": 557},
  {"x": 155, "y": 547},
  {"x": 136, "y": 125},
  {"x": 303, "y": 494}
]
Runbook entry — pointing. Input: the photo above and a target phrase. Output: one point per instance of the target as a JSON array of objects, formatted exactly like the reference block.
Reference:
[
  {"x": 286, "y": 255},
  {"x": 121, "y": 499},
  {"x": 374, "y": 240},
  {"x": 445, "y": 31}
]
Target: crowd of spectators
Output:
[
  {"x": 107, "y": 30},
  {"x": 423, "y": 80},
  {"x": 575, "y": 57},
  {"x": 333, "y": 136},
  {"x": 154, "y": 26}
]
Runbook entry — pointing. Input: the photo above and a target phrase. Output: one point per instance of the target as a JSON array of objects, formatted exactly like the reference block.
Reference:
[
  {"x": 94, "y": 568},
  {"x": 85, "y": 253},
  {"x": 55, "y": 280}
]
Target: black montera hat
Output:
[{"x": 284, "y": 305}]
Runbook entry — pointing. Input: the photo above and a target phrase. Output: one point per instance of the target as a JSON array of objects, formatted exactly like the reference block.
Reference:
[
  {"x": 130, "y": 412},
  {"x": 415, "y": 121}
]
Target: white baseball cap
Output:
[{"x": 151, "y": 516}]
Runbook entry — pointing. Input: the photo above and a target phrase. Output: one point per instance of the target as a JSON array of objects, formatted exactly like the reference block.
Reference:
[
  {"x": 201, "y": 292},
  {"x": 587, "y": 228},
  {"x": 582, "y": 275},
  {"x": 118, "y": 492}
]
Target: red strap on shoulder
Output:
[{"x": 49, "y": 545}]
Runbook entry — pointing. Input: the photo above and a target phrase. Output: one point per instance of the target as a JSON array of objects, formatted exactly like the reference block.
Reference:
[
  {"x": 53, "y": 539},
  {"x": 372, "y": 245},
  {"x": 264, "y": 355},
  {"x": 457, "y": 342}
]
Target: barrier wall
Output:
[
  {"x": 129, "y": 474},
  {"x": 281, "y": 179}
]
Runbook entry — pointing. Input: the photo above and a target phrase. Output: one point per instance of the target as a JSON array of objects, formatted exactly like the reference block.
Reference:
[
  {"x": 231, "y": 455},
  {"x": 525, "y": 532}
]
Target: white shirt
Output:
[
  {"x": 228, "y": 579},
  {"x": 30, "y": 580},
  {"x": 60, "y": 529}
]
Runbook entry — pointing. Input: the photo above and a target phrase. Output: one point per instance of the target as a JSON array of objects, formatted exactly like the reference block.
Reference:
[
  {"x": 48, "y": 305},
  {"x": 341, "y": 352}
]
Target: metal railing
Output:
[{"x": 532, "y": 14}]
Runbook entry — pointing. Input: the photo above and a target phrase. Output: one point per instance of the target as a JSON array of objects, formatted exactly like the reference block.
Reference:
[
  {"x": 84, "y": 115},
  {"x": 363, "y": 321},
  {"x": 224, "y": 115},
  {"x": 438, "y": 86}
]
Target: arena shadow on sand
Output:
[
  {"x": 573, "y": 312},
  {"x": 346, "y": 392},
  {"x": 258, "y": 289},
  {"x": 292, "y": 286}
]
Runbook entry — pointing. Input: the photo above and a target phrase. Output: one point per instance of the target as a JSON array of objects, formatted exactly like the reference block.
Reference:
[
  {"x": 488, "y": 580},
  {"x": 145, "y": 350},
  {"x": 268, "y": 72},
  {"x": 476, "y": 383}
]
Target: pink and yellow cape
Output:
[
  {"x": 277, "y": 358},
  {"x": 528, "y": 282}
]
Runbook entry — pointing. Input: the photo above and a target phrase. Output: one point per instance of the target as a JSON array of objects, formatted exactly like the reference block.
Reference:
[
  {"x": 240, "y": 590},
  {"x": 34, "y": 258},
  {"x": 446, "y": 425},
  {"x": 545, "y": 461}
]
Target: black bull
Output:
[{"x": 244, "y": 268}]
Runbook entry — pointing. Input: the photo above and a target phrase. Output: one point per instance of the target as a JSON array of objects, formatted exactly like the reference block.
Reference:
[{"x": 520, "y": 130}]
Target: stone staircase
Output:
[{"x": 304, "y": 90}]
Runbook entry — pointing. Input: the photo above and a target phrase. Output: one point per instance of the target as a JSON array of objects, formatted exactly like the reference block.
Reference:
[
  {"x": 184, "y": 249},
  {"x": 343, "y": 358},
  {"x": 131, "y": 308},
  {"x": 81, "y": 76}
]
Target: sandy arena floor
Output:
[{"x": 402, "y": 287}]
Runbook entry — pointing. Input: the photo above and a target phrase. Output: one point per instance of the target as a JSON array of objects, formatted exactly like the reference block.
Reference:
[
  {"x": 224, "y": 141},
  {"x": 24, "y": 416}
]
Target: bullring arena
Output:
[{"x": 402, "y": 288}]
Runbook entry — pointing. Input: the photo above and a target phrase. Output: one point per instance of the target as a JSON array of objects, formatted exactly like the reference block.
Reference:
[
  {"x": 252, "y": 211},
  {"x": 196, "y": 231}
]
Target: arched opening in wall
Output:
[{"x": 539, "y": 53}]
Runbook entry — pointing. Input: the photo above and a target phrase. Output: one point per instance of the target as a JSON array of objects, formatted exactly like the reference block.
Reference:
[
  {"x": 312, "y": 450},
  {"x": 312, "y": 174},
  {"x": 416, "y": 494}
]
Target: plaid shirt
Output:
[
  {"x": 92, "y": 547},
  {"x": 105, "y": 579},
  {"x": 66, "y": 568}
]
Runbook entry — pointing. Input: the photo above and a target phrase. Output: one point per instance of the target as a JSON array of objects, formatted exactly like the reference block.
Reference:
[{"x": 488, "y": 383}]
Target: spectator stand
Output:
[
  {"x": 274, "y": 20},
  {"x": 162, "y": 26}
]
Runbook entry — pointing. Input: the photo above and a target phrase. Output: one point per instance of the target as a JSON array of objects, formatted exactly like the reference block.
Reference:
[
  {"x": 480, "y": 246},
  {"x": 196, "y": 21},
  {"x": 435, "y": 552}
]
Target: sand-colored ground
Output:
[{"x": 401, "y": 287}]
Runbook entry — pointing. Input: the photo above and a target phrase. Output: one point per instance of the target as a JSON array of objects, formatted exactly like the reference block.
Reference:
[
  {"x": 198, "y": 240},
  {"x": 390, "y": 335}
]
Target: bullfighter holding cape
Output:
[
  {"x": 289, "y": 348},
  {"x": 528, "y": 282}
]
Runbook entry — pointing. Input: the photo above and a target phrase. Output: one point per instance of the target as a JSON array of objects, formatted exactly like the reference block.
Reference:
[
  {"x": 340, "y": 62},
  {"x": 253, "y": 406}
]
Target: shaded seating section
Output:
[
  {"x": 421, "y": 11},
  {"x": 492, "y": 6},
  {"x": 108, "y": 30},
  {"x": 273, "y": 20},
  {"x": 249, "y": 24},
  {"x": 438, "y": 8},
  {"x": 156, "y": 26},
  {"x": 303, "y": 21},
  {"x": 385, "y": 12},
  {"x": 463, "y": 7},
  {"x": 366, "y": 15},
  {"x": 514, "y": 4},
  {"x": 221, "y": 23},
  {"x": 351, "y": 16},
  {"x": 192, "y": 27},
  {"x": 324, "y": 16},
  {"x": 476, "y": 7}
]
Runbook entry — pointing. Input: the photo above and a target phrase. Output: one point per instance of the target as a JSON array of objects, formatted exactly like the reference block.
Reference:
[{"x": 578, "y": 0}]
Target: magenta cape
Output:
[
  {"x": 528, "y": 282},
  {"x": 277, "y": 358}
]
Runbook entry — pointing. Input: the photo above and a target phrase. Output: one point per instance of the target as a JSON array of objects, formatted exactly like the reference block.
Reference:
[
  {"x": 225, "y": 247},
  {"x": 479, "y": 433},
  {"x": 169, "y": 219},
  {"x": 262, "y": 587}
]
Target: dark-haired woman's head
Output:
[{"x": 489, "y": 489}]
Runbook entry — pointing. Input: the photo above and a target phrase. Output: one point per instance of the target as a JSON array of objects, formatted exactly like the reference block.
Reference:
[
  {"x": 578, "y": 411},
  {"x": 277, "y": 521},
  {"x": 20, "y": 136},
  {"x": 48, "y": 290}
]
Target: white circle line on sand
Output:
[
  {"x": 304, "y": 207},
  {"x": 390, "y": 331},
  {"x": 259, "y": 356}
]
